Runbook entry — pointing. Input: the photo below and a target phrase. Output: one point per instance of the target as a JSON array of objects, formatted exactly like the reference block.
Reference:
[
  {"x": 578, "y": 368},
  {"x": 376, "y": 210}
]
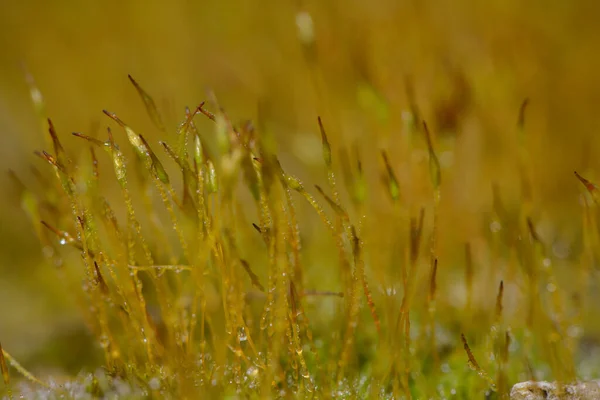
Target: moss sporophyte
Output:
[{"x": 199, "y": 281}]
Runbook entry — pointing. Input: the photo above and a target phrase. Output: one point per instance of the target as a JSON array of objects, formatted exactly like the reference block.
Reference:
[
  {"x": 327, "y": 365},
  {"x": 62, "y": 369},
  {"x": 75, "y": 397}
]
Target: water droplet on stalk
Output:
[
  {"x": 242, "y": 337},
  {"x": 104, "y": 341}
]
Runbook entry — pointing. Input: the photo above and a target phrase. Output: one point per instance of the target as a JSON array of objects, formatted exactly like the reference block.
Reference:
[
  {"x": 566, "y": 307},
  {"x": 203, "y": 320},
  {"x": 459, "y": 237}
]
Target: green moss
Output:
[{"x": 228, "y": 314}]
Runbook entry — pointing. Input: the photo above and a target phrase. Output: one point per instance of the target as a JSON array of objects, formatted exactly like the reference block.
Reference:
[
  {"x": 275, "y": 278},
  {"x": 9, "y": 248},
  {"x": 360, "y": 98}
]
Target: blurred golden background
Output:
[{"x": 470, "y": 63}]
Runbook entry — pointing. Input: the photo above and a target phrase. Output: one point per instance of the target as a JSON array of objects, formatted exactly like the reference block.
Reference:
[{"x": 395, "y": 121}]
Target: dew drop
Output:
[
  {"x": 242, "y": 337},
  {"x": 305, "y": 27},
  {"x": 154, "y": 383},
  {"x": 495, "y": 226},
  {"x": 547, "y": 262},
  {"x": 104, "y": 341},
  {"x": 561, "y": 249},
  {"x": 574, "y": 331}
]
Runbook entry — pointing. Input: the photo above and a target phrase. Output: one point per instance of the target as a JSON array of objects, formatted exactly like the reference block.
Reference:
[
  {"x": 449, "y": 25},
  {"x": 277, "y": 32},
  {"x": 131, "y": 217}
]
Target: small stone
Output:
[{"x": 552, "y": 391}]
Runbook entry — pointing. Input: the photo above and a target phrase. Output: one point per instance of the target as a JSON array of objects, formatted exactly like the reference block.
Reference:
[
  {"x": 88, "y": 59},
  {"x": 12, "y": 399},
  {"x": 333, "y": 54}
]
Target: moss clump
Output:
[{"x": 193, "y": 276}]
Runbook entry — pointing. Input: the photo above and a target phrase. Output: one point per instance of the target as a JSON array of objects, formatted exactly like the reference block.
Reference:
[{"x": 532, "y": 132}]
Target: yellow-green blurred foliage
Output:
[{"x": 470, "y": 64}]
